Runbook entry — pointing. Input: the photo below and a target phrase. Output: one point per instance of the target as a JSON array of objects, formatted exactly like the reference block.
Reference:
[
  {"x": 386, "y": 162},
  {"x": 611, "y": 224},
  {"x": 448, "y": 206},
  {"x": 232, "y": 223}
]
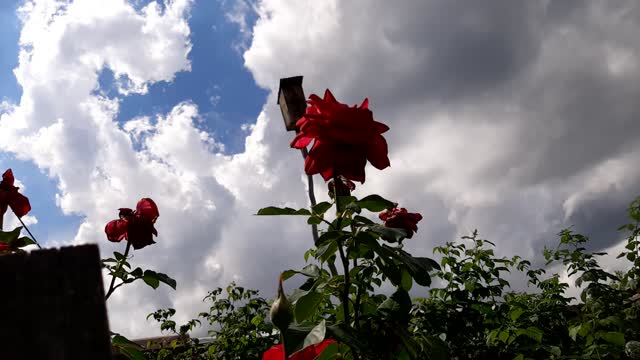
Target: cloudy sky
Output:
[{"x": 516, "y": 118}]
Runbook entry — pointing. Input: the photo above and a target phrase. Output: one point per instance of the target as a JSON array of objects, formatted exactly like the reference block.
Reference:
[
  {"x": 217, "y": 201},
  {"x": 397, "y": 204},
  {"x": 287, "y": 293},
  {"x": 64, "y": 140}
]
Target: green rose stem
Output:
[
  {"x": 113, "y": 276},
  {"x": 314, "y": 227},
  {"x": 29, "y": 232},
  {"x": 345, "y": 261}
]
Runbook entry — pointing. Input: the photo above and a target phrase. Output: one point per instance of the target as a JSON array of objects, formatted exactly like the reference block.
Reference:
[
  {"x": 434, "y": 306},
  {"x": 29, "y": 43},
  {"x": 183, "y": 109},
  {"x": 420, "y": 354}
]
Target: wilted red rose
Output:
[
  {"x": 276, "y": 352},
  {"x": 345, "y": 138},
  {"x": 10, "y": 197},
  {"x": 135, "y": 226},
  {"x": 401, "y": 219}
]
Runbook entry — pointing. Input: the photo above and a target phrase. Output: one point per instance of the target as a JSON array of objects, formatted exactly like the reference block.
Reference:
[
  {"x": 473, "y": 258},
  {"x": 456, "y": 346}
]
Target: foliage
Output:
[{"x": 471, "y": 311}]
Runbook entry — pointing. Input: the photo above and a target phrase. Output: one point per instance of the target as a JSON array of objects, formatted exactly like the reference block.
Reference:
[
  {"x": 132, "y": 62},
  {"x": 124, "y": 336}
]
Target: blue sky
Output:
[{"x": 218, "y": 84}]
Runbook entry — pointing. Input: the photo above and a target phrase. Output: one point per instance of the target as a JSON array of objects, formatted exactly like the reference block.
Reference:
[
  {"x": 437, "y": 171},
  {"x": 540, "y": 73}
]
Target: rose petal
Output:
[
  {"x": 116, "y": 230},
  {"x": 7, "y": 178},
  {"x": 377, "y": 153},
  {"x": 147, "y": 209},
  {"x": 19, "y": 203}
]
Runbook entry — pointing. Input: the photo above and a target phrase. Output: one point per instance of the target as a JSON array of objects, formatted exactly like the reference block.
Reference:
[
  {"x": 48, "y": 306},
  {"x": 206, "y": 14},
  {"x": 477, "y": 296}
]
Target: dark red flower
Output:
[
  {"x": 135, "y": 226},
  {"x": 345, "y": 138},
  {"x": 4, "y": 247},
  {"x": 10, "y": 197},
  {"x": 401, "y": 219},
  {"x": 276, "y": 352}
]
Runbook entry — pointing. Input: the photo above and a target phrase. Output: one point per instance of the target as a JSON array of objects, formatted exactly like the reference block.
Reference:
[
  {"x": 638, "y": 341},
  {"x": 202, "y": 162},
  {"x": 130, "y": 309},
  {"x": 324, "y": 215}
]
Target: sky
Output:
[{"x": 514, "y": 118}]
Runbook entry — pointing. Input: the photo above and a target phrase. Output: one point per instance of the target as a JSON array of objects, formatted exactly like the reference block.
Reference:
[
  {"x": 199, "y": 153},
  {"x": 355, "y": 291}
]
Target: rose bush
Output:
[{"x": 469, "y": 313}]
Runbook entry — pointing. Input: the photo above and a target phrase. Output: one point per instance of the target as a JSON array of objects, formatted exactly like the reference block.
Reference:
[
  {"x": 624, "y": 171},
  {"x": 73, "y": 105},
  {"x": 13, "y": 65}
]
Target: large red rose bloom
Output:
[{"x": 344, "y": 139}]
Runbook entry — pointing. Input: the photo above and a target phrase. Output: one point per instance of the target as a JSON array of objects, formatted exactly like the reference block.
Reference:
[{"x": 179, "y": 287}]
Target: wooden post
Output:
[{"x": 52, "y": 305}]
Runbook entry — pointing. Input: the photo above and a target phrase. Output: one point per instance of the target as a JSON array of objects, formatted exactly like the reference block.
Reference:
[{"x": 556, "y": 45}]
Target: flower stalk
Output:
[
  {"x": 28, "y": 231},
  {"x": 343, "y": 257},
  {"x": 113, "y": 276}
]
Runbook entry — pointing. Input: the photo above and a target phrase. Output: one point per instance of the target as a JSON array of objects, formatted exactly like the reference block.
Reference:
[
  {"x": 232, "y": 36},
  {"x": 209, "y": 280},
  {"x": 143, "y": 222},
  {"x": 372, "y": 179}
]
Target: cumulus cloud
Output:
[
  {"x": 518, "y": 117},
  {"x": 514, "y": 118}
]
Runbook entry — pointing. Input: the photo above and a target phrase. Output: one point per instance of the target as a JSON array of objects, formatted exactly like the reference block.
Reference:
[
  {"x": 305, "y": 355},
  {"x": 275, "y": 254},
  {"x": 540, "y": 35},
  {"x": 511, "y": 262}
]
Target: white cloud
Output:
[
  {"x": 495, "y": 124},
  {"x": 237, "y": 13}
]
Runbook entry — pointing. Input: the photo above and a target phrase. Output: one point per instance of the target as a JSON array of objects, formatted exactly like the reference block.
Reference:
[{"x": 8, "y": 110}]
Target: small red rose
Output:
[
  {"x": 4, "y": 248},
  {"x": 10, "y": 197},
  {"x": 276, "y": 352},
  {"x": 344, "y": 138},
  {"x": 400, "y": 218},
  {"x": 135, "y": 226}
]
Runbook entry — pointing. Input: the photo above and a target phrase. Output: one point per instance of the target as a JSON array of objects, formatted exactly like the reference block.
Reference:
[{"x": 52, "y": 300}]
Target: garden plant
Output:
[{"x": 340, "y": 311}]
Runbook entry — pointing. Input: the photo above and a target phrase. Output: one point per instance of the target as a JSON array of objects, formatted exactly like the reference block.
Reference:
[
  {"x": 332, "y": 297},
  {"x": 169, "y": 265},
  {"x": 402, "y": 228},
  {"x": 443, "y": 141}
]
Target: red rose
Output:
[
  {"x": 135, "y": 226},
  {"x": 276, "y": 352},
  {"x": 10, "y": 197},
  {"x": 401, "y": 219},
  {"x": 345, "y": 138},
  {"x": 4, "y": 248}
]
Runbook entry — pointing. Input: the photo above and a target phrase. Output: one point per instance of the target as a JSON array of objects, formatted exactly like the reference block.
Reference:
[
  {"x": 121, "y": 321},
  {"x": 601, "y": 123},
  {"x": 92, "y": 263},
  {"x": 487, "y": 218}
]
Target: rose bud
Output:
[{"x": 281, "y": 310}]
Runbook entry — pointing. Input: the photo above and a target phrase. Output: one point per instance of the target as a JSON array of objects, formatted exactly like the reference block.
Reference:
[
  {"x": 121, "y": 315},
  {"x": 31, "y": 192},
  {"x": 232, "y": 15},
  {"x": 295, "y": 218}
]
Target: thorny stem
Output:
[
  {"x": 345, "y": 261},
  {"x": 113, "y": 276},
  {"x": 30, "y": 234}
]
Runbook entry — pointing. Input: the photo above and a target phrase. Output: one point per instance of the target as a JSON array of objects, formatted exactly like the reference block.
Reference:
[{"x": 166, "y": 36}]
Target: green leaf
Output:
[
  {"x": 310, "y": 270},
  {"x": 504, "y": 335},
  {"x": 314, "y": 220},
  {"x": 316, "y": 335},
  {"x": 405, "y": 280},
  {"x": 519, "y": 357},
  {"x": 389, "y": 233},
  {"x": 321, "y": 208},
  {"x": 343, "y": 201},
  {"x": 332, "y": 235},
  {"x": 151, "y": 281},
  {"x": 375, "y": 203},
  {"x": 307, "y": 305},
  {"x": 9, "y": 237},
  {"x": 326, "y": 250},
  {"x": 272, "y": 210},
  {"x": 167, "y": 280},
  {"x": 23, "y": 241},
  {"x": 362, "y": 220},
  {"x": 397, "y": 306},
  {"x": 573, "y": 332},
  {"x": 515, "y": 313},
  {"x": 257, "y": 320},
  {"x": 534, "y": 333},
  {"x": 615, "y": 338},
  {"x": 128, "y": 348},
  {"x": 137, "y": 272}
]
